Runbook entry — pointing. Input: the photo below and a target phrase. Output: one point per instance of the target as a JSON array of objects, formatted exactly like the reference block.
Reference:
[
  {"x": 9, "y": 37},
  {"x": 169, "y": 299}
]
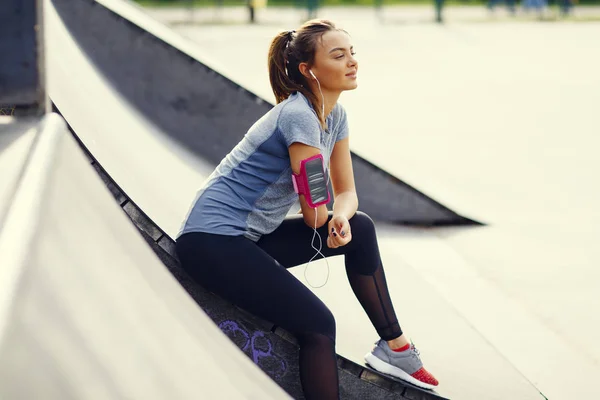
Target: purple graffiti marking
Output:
[
  {"x": 261, "y": 348},
  {"x": 232, "y": 328}
]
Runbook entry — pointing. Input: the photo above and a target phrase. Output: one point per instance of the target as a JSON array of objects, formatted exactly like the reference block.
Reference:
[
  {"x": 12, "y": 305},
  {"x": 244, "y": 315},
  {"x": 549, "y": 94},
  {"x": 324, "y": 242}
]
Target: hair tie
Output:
[{"x": 290, "y": 37}]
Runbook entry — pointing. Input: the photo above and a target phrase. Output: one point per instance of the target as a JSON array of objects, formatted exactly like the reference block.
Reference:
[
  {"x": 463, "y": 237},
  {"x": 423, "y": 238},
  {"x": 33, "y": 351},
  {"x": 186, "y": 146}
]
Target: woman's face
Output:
[{"x": 334, "y": 65}]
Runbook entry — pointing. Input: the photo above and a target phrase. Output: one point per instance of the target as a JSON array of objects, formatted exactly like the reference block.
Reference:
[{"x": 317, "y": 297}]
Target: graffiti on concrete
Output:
[
  {"x": 7, "y": 111},
  {"x": 260, "y": 347}
]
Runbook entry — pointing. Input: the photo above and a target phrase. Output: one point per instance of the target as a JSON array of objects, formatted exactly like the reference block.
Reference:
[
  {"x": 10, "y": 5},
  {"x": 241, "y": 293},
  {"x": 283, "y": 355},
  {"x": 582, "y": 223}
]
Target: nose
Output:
[{"x": 352, "y": 62}]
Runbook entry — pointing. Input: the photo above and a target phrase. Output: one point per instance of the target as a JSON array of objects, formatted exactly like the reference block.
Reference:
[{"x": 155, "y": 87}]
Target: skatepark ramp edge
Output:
[
  {"x": 166, "y": 80},
  {"x": 356, "y": 381},
  {"x": 86, "y": 309}
]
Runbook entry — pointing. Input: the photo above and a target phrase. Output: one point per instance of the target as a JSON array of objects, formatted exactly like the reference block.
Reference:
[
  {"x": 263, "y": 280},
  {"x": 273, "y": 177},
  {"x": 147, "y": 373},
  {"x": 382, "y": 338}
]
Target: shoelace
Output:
[{"x": 415, "y": 352}]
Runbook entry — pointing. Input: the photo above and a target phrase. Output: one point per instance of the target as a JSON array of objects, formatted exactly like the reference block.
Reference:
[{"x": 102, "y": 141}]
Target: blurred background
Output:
[
  {"x": 475, "y": 137},
  {"x": 470, "y": 9}
]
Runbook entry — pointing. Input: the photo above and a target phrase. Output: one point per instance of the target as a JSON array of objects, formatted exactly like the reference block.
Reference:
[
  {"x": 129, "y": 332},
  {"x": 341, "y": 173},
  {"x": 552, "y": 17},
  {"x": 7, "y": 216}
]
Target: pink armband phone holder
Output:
[{"x": 311, "y": 181}]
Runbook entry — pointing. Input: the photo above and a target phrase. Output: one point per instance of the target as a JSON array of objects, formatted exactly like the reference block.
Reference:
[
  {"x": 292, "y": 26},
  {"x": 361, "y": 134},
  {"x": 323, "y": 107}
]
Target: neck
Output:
[{"x": 331, "y": 99}]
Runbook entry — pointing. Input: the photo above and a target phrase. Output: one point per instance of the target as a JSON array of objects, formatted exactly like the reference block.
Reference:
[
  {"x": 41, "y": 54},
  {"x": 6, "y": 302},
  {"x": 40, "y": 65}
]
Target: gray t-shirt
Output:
[{"x": 251, "y": 191}]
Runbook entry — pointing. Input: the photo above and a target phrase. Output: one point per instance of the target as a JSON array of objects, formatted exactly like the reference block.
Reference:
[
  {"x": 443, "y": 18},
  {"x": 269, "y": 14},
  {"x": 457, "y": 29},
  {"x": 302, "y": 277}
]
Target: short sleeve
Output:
[
  {"x": 299, "y": 126},
  {"x": 341, "y": 130}
]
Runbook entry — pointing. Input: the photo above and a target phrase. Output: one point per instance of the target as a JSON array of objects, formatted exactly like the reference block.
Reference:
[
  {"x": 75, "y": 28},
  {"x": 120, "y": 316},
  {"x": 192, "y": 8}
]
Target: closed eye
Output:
[{"x": 342, "y": 55}]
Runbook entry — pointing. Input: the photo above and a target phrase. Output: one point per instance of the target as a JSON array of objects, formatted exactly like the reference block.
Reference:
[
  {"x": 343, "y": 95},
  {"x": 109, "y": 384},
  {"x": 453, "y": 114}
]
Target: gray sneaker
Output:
[{"x": 405, "y": 365}]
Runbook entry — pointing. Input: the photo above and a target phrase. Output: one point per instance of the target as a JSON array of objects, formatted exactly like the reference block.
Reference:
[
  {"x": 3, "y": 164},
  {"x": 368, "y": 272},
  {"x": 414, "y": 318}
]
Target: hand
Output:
[{"x": 339, "y": 232}]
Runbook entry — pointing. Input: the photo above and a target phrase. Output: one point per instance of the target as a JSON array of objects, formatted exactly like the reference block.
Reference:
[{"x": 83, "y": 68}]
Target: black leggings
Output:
[{"x": 254, "y": 277}]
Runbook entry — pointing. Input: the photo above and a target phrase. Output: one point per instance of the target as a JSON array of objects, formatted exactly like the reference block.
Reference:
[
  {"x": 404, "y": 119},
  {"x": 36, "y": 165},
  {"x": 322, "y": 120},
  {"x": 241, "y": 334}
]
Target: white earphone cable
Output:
[
  {"x": 318, "y": 251},
  {"x": 322, "y": 97},
  {"x": 312, "y": 241}
]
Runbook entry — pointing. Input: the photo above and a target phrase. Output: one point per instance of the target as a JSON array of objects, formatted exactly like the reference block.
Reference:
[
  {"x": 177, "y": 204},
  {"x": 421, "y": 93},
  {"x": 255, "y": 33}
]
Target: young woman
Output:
[{"x": 237, "y": 242}]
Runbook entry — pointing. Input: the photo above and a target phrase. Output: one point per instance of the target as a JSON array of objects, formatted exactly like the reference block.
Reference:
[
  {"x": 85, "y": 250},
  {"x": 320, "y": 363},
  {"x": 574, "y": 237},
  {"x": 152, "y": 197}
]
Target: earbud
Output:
[{"x": 313, "y": 75}]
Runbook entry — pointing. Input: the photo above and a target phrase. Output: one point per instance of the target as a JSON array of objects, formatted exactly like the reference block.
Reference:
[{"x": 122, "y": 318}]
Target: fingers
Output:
[
  {"x": 330, "y": 243},
  {"x": 344, "y": 228},
  {"x": 335, "y": 240},
  {"x": 339, "y": 232}
]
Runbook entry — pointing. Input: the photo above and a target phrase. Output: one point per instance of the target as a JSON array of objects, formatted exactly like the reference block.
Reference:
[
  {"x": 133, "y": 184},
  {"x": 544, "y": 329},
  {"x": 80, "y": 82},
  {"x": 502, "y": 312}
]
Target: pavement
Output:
[
  {"x": 496, "y": 119},
  {"x": 473, "y": 115}
]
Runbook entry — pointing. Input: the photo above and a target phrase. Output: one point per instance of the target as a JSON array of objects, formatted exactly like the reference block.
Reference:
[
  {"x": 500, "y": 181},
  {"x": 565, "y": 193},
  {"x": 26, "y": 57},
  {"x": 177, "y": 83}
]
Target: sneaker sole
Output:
[{"x": 396, "y": 372}]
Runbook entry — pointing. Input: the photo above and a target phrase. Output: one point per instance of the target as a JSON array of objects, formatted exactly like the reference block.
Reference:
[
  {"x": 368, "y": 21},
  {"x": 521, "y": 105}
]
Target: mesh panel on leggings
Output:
[
  {"x": 372, "y": 292},
  {"x": 318, "y": 367}
]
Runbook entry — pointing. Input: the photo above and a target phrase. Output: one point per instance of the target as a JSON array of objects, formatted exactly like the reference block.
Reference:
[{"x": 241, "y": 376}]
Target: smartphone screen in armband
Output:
[{"x": 317, "y": 184}]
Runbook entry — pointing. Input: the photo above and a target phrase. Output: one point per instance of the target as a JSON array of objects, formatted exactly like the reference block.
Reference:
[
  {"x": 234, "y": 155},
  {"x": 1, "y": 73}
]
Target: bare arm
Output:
[
  {"x": 342, "y": 179},
  {"x": 346, "y": 200}
]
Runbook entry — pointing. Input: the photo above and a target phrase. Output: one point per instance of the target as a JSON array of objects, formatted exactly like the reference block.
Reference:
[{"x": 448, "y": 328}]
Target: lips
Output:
[{"x": 351, "y": 74}]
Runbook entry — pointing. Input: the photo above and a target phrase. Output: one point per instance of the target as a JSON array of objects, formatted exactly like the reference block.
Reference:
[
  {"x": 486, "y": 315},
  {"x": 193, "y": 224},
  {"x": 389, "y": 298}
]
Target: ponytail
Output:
[
  {"x": 282, "y": 84},
  {"x": 288, "y": 49}
]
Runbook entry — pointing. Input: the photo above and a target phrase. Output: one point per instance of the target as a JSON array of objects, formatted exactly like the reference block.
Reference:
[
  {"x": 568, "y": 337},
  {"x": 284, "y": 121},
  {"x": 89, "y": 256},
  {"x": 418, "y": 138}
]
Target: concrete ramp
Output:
[
  {"x": 505, "y": 142},
  {"x": 87, "y": 311},
  {"x": 165, "y": 81},
  {"x": 15, "y": 143},
  {"x": 509, "y": 143},
  {"x": 152, "y": 176},
  {"x": 273, "y": 349}
]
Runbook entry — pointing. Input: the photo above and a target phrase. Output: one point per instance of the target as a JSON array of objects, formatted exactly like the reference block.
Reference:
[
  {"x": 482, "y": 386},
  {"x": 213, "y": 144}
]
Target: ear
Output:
[{"x": 303, "y": 68}]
